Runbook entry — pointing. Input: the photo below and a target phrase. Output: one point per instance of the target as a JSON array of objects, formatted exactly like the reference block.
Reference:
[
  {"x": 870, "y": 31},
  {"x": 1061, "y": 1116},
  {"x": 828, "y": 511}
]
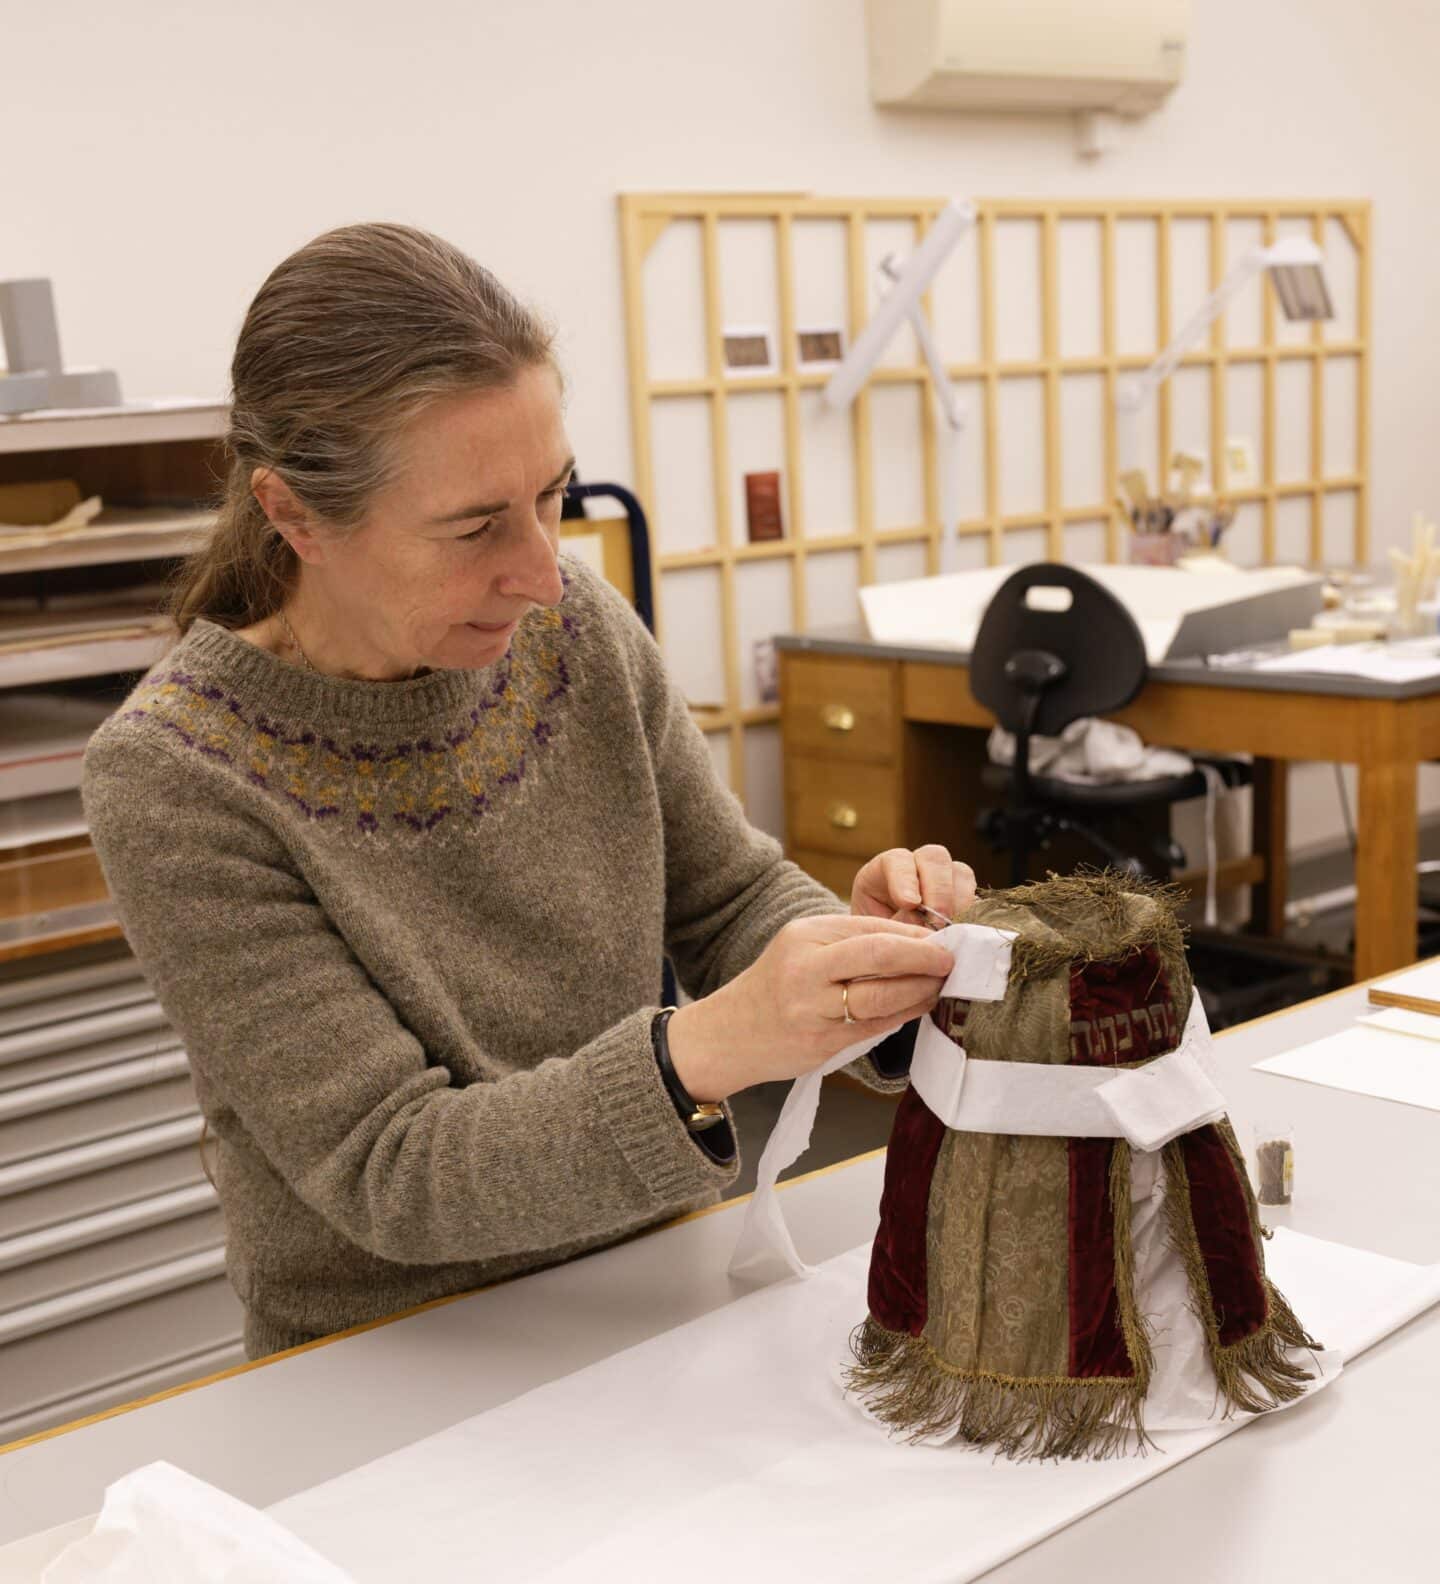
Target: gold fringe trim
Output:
[
  {"x": 910, "y": 1388},
  {"x": 1077, "y": 899},
  {"x": 1254, "y": 1374},
  {"x": 1132, "y": 1325}
]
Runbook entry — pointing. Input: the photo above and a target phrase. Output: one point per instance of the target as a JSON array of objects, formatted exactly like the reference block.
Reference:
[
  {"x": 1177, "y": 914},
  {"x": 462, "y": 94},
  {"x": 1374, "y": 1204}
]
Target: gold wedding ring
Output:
[{"x": 845, "y": 1002}]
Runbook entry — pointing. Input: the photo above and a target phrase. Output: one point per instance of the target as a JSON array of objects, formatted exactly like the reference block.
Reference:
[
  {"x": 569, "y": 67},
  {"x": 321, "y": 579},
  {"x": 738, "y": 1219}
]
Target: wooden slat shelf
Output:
[
  {"x": 137, "y": 424},
  {"x": 31, "y": 667},
  {"x": 52, "y": 896},
  {"x": 140, "y": 533}
]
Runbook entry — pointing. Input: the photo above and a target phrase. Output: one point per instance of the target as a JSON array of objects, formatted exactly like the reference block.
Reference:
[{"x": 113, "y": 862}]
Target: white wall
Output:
[{"x": 162, "y": 157}]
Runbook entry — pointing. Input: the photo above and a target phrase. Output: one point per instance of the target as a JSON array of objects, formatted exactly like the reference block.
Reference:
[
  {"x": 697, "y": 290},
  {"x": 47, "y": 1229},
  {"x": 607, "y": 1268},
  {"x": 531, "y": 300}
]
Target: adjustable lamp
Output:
[
  {"x": 903, "y": 302},
  {"x": 1295, "y": 268}
]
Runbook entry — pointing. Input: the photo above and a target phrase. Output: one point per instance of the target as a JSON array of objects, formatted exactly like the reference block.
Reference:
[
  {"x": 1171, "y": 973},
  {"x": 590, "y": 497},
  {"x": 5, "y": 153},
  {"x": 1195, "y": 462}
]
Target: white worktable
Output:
[{"x": 1338, "y": 1488}]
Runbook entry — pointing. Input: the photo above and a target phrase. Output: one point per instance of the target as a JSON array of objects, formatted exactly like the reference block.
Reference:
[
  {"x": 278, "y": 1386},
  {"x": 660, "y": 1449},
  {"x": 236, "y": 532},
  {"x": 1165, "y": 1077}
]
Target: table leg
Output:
[
  {"x": 1387, "y": 904},
  {"x": 1270, "y": 836}
]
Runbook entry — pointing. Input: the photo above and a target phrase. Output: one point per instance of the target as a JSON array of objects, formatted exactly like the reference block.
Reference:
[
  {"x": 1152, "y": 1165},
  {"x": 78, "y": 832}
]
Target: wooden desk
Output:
[
  {"x": 1335, "y": 1488},
  {"x": 869, "y": 766}
]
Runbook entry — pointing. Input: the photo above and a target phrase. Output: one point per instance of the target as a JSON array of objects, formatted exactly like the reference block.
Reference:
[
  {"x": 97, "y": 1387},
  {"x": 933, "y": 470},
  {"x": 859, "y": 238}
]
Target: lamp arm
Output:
[
  {"x": 944, "y": 390},
  {"x": 949, "y": 402},
  {"x": 922, "y": 267},
  {"x": 1133, "y": 394}
]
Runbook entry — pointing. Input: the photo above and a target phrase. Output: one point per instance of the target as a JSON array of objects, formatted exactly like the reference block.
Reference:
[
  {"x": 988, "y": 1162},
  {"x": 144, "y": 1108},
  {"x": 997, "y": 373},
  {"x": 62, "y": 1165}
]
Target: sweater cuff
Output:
[
  {"x": 885, "y": 1068},
  {"x": 640, "y": 1114}
]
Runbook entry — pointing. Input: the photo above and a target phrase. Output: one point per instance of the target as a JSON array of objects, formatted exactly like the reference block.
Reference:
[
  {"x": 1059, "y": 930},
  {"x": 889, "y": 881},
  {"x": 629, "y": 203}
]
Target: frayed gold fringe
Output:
[
  {"x": 1254, "y": 1374},
  {"x": 1077, "y": 899},
  {"x": 1132, "y": 1326},
  {"x": 905, "y": 1383}
]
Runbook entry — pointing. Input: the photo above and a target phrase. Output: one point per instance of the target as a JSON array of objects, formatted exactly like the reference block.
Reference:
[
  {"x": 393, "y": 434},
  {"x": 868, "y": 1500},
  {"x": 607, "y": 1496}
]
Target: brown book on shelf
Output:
[
  {"x": 1416, "y": 989},
  {"x": 762, "y": 507}
]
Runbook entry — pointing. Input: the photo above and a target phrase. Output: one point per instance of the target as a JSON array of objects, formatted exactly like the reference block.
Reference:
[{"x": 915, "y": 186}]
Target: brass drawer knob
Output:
[
  {"x": 843, "y": 816},
  {"x": 838, "y": 717}
]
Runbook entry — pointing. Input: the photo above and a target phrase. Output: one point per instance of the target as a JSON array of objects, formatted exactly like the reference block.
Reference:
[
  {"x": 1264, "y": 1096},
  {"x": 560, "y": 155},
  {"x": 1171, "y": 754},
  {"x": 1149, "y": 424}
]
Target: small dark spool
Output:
[{"x": 1271, "y": 1158}]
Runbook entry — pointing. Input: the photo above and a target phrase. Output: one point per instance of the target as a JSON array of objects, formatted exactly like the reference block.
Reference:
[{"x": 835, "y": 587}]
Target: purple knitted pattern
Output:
[{"x": 414, "y": 784}]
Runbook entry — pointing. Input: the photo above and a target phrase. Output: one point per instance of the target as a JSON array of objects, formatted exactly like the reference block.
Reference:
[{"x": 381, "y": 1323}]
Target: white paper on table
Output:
[
  {"x": 945, "y": 612},
  {"x": 1371, "y": 662},
  {"x": 764, "y": 1248},
  {"x": 735, "y": 1414},
  {"x": 160, "y": 1525},
  {"x": 1366, "y": 1061}
]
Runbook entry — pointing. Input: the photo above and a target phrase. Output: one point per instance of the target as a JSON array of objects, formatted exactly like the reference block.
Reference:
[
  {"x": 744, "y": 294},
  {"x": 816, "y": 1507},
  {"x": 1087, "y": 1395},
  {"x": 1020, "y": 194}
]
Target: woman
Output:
[{"x": 402, "y": 826}]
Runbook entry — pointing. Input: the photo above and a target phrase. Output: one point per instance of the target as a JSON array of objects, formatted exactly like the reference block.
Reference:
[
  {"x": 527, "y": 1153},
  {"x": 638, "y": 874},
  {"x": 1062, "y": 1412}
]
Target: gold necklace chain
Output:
[
  {"x": 294, "y": 640},
  {"x": 419, "y": 670}
]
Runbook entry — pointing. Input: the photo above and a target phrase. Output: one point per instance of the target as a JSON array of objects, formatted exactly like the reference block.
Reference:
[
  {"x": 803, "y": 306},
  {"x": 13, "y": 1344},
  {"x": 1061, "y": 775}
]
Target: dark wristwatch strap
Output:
[{"x": 711, "y": 1132}]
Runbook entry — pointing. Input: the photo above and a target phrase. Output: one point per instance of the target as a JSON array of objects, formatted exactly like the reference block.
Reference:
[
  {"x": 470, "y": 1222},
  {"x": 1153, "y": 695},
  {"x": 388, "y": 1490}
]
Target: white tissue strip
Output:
[
  {"x": 1147, "y": 1105},
  {"x": 982, "y": 961},
  {"x": 765, "y": 1247},
  {"x": 937, "y": 1070}
]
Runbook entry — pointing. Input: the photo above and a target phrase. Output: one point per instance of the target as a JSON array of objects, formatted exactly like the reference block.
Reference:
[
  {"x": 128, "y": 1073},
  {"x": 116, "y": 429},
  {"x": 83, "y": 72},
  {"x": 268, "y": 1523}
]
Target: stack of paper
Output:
[{"x": 1416, "y": 989}]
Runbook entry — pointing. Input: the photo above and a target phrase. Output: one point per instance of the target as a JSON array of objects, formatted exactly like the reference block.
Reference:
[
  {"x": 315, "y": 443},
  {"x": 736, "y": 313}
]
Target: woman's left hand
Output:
[{"x": 898, "y": 879}]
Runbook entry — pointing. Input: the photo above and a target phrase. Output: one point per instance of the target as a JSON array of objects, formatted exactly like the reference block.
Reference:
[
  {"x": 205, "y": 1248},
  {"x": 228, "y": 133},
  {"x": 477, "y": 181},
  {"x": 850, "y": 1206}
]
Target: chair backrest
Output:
[
  {"x": 618, "y": 547},
  {"x": 1093, "y": 636}
]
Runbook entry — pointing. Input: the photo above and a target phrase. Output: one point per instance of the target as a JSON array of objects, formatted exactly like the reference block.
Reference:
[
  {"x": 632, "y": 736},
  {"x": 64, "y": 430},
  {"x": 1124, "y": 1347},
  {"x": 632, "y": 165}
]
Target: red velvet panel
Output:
[
  {"x": 1121, "y": 1011},
  {"x": 898, "y": 1292},
  {"x": 1222, "y": 1221},
  {"x": 1097, "y": 1344}
]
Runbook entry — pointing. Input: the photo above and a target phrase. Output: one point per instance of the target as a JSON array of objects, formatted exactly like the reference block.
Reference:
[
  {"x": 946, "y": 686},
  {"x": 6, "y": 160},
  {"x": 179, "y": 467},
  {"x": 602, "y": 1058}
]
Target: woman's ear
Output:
[{"x": 281, "y": 505}]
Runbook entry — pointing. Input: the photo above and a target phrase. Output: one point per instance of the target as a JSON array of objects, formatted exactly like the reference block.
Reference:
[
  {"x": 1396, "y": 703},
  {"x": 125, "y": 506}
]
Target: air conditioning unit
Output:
[{"x": 1122, "y": 56}]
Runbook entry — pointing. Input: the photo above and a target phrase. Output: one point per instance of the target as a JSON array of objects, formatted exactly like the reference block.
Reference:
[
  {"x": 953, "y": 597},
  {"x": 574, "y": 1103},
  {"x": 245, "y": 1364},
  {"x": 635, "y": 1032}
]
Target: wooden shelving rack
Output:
[
  {"x": 153, "y": 465},
  {"x": 644, "y": 220}
]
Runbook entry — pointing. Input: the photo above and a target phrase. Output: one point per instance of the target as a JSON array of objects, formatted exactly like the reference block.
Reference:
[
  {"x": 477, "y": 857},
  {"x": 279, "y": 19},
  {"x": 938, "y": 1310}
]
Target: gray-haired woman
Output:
[{"x": 400, "y": 829}]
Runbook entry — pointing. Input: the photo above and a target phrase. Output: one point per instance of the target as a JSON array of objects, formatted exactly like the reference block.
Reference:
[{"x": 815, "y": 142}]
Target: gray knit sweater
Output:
[{"x": 411, "y": 933}]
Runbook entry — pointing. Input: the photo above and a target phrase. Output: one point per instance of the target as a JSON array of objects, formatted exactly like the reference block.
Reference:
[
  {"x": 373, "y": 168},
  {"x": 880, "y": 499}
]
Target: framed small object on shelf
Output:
[
  {"x": 749, "y": 350},
  {"x": 819, "y": 347},
  {"x": 763, "y": 517}
]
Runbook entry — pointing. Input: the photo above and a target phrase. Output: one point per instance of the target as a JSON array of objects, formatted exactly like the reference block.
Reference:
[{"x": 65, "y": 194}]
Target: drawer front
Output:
[
  {"x": 170, "y": 1165},
  {"x": 841, "y": 708},
  {"x": 53, "y": 1367},
  {"x": 35, "y": 1281},
  {"x": 45, "y": 998},
  {"x": 131, "y": 1389},
  {"x": 841, "y": 807},
  {"x": 85, "y": 1059},
  {"x": 829, "y": 869},
  {"x": 29, "y": 983},
  {"x": 65, "y": 1127},
  {"x": 71, "y": 1033}
]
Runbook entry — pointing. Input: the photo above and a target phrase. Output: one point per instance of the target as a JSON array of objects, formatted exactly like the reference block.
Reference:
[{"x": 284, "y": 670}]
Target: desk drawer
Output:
[
  {"x": 839, "y": 807},
  {"x": 830, "y": 869},
  {"x": 844, "y": 709}
]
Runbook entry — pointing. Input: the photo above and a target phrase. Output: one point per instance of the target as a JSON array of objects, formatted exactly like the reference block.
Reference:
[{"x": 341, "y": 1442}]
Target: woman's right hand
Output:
[{"x": 785, "y": 1014}]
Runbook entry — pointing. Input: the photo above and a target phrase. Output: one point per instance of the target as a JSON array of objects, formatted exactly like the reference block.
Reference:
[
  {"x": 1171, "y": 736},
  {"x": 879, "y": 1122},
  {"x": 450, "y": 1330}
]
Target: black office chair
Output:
[{"x": 1054, "y": 646}]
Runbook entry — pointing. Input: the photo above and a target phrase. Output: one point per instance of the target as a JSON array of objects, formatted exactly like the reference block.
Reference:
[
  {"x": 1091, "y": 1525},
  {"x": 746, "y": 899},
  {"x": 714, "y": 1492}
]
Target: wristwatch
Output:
[{"x": 697, "y": 1115}]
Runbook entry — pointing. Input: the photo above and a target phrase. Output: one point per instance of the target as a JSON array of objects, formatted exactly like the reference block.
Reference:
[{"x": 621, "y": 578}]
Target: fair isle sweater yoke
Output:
[{"x": 410, "y": 934}]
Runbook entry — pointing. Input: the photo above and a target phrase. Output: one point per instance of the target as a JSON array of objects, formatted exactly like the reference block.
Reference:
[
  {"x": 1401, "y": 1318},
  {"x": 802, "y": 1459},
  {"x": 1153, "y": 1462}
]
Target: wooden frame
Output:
[{"x": 645, "y": 217}]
